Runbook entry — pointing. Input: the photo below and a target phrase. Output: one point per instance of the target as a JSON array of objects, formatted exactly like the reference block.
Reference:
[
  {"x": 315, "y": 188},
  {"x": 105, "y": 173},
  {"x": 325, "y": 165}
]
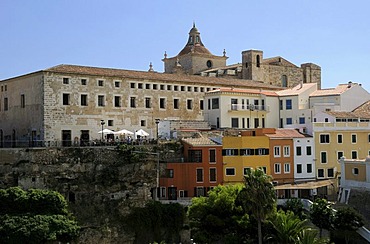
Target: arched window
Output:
[
  {"x": 284, "y": 81},
  {"x": 258, "y": 60},
  {"x": 197, "y": 39}
]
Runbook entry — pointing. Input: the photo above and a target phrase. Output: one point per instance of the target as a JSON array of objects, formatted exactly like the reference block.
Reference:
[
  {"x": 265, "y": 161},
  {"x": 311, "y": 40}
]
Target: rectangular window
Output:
[
  {"x": 155, "y": 87},
  {"x": 142, "y": 123},
  {"x": 100, "y": 83},
  {"x": 110, "y": 122},
  {"x": 23, "y": 101},
  {"x": 66, "y": 99},
  {"x": 276, "y": 151},
  {"x": 140, "y": 85},
  {"x": 161, "y": 87},
  {"x": 83, "y": 82},
  {"x": 230, "y": 171},
  {"x": 189, "y": 88},
  {"x": 212, "y": 155},
  {"x": 170, "y": 173},
  {"x": 309, "y": 168},
  {"x": 264, "y": 169},
  {"x": 340, "y": 138},
  {"x": 230, "y": 152},
  {"x": 298, "y": 151},
  {"x": 215, "y": 103},
  {"x": 65, "y": 80},
  {"x": 246, "y": 170},
  {"x": 331, "y": 173},
  {"x": 201, "y": 104},
  {"x": 162, "y": 103},
  {"x": 281, "y": 104},
  {"x": 189, "y": 104},
  {"x": 355, "y": 171},
  {"x": 277, "y": 168},
  {"x": 132, "y": 85},
  {"x": 116, "y": 84},
  {"x": 324, "y": 159},
  {"x": 235, "y": 122},
  {"x": 289, "y": 121},
  {"x": 302, "y": 120},
  {"x": 354, "y": 138},
  {"x": 248, "y": 151},
  {"x": 117, "y": 101},
  {"x": 182, "y": 88},
  {"x": 288, "y": 104},
  {"x": 286, "y": 151},
  {"x": 299, "y": 168},
  {"x": 83, "y": 100},
  {"x": 212, "y": 175},
  {"x": 324, "y": 138},
  {"x": 195, "y": 89},
  {"x": 287, "y": 168},
  {"x": 133, "y": 102},
  {"x": 148, "y": 102},
  {"x": 176, "y": 103},
  {"x": 200, "y": 175},
  {"x": 147, "y": 86},
  {"x": 339, "y": 155},
  {"x": 175, "y": 88},
  {"x": 309, "y": 150},
  {"x": 354, "y": 154},
  {"x": 6, "y": 105},
  {"x": 320, "y": 173},
  {"x": 101, "y": 101},
  {"x": 195, "y": 156}
]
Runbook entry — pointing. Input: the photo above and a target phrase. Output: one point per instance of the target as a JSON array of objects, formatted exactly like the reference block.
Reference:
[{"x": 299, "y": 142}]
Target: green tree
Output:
[
  {"x": 257, "y": 197},
  {"x": 346, "y": 222},
  {"x": 156, "y": 222},
  {"x": 321, "y": 214},
  {"x": 296, "y": 206},
  {"x": 216, "y": 218},
  {"x": 35, "y": 216},
  {"x": 309, "y": 236},
  {"x": 287, "y": 227}
]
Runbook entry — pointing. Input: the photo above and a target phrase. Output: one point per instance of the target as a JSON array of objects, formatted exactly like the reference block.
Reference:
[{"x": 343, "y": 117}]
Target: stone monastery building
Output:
[{"x": 67, "y": 103}]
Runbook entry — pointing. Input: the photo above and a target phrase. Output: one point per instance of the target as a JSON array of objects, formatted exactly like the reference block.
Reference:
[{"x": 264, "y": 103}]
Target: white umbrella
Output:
[
  {"x": 106, "y": 131},
  {"x": 123, "y": 132},
  {"x": 142, "y": 132}
]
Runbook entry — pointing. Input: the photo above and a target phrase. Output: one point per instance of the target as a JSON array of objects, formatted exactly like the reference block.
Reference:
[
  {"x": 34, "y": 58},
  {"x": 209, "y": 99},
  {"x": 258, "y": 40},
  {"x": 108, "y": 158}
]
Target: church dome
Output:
[{"x": 194, "y": 44}]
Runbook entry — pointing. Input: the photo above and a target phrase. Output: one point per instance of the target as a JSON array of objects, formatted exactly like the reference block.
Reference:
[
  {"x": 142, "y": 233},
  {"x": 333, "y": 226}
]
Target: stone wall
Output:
[{"x": 98, "y": 184}]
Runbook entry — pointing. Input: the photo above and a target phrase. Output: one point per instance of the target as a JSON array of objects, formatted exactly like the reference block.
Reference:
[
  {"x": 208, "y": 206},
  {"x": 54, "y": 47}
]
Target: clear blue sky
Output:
[{"x": 37, "y": 34}]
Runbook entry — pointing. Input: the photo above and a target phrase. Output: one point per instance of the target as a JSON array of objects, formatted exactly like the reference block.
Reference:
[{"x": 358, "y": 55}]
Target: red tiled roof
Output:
[
  {"x": 249, "y": 91},
  {"x": 286, "y": 133}
]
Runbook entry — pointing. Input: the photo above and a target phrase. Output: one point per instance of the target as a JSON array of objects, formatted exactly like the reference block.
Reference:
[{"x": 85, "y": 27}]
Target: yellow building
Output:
[
  {"x": 244, "y": 151},
  {"x": 344, "y": 134}
]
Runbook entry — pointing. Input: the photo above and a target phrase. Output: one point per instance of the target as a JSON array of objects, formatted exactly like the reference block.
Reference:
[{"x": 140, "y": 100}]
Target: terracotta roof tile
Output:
[
  {"x": 363, "y": 112},
  {"x": 286, "y": 133},
  {"x": 201, "y": 141},
  {"x": 296, "y": 90},
  {"x": 341, "y": 88}
]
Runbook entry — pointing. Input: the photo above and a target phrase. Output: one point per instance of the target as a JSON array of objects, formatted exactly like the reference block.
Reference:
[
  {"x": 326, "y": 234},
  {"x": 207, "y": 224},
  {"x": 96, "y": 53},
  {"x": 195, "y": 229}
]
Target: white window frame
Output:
[
  {"x": 230, "y": 168},
  {"x": 213, "y": 168},
  {"x": 327, "y": 159},
  {"x": 286, "y": 150},
  {"x": 277, "y": 168},
  {"x": 321, "y": 177},
  {"x": 277, "y": 151},
  {"x": 246, "y": 168},
  {"x": 286, "y": 168},
  {"x": 354, "y": 134}
]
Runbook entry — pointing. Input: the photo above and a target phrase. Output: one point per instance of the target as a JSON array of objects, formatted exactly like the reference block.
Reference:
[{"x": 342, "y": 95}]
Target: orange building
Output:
[{"x": 199, "y": 171}]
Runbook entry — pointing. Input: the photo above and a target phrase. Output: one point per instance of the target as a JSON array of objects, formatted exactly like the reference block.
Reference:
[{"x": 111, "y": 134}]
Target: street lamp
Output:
[
  {"x": 157, "y": 123},
  {"x": 102, "y": 127}
]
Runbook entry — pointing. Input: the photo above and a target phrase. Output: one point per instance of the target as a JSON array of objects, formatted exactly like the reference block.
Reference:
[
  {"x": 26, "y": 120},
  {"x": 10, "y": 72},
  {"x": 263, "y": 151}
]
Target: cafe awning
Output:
[{"x": 306, "y": 185}]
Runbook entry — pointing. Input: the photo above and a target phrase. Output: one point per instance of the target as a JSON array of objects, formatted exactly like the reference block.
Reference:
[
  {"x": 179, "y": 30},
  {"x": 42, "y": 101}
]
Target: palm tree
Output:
[
  {"x": 309, "y": 236},
  {"x": 287, "y": 227},
  {"x": 257, "y": 197}
]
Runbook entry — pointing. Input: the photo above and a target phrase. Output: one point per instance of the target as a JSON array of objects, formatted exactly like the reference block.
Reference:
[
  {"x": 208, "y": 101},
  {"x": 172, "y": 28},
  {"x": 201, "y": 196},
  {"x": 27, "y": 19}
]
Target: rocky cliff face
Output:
[{"x": 99, "y": 183}]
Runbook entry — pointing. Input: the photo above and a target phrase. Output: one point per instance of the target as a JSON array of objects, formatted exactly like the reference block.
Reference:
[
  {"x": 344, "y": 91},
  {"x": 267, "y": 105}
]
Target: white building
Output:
[{"x": 304, "y": 159}]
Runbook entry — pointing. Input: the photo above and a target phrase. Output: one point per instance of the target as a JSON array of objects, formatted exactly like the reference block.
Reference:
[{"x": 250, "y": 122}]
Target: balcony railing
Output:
[{"x": 248, "y": 107}]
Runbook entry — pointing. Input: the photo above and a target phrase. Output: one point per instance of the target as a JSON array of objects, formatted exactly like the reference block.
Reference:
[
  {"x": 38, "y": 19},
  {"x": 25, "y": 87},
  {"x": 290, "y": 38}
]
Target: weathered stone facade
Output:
[{"x": 99, "y": 186}]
